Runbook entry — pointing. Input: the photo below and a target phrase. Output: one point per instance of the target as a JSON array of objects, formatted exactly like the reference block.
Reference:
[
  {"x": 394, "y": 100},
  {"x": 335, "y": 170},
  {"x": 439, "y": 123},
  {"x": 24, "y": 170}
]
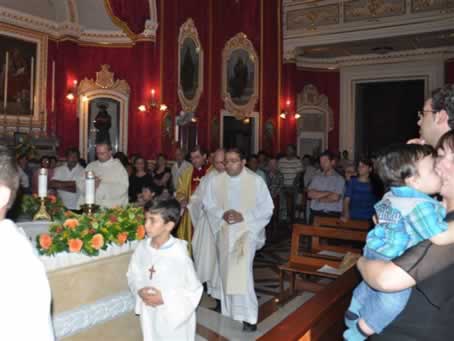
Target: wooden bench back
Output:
[
  {"x": 363, "y": 225},
  {"x": 316, "y": 233},
  {"x": 321, "y": 318}
]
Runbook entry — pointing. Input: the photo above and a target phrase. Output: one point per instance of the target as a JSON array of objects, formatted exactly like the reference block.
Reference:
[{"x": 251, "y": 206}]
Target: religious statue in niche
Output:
[
  {"x": 102, "y": 123},
  {"x": 189, "y": 68},
  {"x": 240, "y": 75},
  {"x": 17, "y": 75}
]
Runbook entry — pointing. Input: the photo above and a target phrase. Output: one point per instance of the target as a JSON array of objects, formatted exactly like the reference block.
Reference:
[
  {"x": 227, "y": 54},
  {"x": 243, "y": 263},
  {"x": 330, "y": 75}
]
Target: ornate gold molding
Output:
[
  {"x": 104, "y": 80},
  {"x": 39, "y": 115},
  {"x": 239, "y": 42},
  {"x": 310, "y": 97},
  {"x": 189, "y": 31}
]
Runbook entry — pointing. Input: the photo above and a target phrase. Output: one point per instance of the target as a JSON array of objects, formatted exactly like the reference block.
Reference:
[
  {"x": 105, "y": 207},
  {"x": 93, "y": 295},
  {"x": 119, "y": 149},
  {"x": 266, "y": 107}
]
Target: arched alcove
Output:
[
  {"x": 95, "y": 100},
  {"x": 315, "y": 123}
]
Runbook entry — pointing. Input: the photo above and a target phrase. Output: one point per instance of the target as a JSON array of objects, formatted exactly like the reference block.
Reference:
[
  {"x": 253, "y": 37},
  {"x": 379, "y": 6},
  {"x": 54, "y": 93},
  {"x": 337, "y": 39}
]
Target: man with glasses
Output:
[
  {"x": 429, "y": 312},
  {"x": 239, "y": 206}
]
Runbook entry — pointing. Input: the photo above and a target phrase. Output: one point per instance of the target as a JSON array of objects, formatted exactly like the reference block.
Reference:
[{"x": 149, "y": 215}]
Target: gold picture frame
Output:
[
  {"x": 37, "y": 117},
  {"x": 190, "y": 67},
  {"x": 240, "y": 76}
]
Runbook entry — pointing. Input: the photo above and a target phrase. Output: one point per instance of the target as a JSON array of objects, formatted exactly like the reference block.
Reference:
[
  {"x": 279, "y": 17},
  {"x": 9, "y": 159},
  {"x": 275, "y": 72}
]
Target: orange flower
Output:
[
  {"x": 122, "y": 237},
  {"x": 75, "y": 245},
  {"x": 45, "y": 241},
  {"x": 52, "y": 198},
  {"x": 97, "y": 241},
  {"x": 71, "y": 223},
  {"x": 140, "y": 232}
]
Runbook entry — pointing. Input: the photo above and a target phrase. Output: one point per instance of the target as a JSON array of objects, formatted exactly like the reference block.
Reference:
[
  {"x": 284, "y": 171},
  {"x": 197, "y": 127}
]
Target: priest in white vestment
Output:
[
  {"x": 161, "y": 275},
  {"x": 25, "y": 295},
  {"x": 239, "y": 207},
  {"x": 111, "y": 179},
  {"x": 203, "y": 240}
]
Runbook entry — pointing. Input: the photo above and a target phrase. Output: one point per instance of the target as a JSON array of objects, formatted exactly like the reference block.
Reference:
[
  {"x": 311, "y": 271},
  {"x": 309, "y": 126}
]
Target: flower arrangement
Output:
[
  {"x": 89, "y": 234},
  {"x": 30, "y": 205}
]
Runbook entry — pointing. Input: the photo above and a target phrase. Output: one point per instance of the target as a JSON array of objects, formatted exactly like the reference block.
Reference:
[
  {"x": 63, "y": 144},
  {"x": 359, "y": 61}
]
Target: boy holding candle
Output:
[{"x": 162, "y": 276}]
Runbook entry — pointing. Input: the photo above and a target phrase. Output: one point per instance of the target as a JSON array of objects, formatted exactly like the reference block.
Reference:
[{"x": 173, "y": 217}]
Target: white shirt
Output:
[
  {"x": 24, "y": 289},
  {"x": 23, "y": 178},
  {"x": 63, "y": 173},
  {"x": 176, "y": 171}
]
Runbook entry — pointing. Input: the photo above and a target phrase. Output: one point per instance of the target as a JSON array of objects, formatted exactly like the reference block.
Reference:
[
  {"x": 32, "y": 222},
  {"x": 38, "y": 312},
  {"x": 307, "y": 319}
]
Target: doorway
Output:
[
  {"x": 239, "y": 133},
  {"x": 386, "y": 113}
]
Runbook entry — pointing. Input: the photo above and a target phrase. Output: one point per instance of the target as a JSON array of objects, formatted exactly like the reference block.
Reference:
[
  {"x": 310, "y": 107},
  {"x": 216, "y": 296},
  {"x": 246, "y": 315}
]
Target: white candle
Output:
[
  {"x": 42, "y": 183},
  {"x": 5, "y": 88},
  {"x": 90, "y": 188}
]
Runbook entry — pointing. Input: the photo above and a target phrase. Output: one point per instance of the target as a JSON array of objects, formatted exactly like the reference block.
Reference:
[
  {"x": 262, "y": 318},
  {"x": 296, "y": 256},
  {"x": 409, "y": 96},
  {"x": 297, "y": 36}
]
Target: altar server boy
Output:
[
  {"x": 162, "y": 277},
  {"x": 25, "y": 295}
]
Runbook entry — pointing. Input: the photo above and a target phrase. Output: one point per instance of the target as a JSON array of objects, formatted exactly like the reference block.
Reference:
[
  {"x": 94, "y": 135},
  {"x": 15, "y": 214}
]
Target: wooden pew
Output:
[
  {"x": 308, "y": 263},
  {"x": 316, "y": 233},
  {"x": 321, "y": 318},
  {"x": 363, "y": 225}
]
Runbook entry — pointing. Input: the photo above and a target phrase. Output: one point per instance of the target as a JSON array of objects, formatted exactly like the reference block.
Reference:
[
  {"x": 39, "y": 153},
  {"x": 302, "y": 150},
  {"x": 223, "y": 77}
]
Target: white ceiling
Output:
[{"x": 92, "y": 14}]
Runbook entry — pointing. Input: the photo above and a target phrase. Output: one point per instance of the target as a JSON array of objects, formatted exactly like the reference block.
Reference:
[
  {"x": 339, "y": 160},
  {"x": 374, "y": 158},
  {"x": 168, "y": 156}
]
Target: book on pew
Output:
[{"x": 349, "y": 260}]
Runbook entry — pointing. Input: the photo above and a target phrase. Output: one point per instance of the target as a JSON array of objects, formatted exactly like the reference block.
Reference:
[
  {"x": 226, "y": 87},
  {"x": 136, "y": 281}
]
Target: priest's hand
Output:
[
  {"x": 97, "y": 182},
  {"x": 183, "y": 203},
  {"x": 232, "y": 217}
]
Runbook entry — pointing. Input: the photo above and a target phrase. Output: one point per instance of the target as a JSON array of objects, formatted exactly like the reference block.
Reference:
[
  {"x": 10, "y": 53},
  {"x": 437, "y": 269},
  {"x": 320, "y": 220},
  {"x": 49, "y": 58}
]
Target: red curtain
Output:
[
  {"x": 137, "y": 65},
  {"x": 129, "y": 15},
  {"x": 449, "y": 71}
]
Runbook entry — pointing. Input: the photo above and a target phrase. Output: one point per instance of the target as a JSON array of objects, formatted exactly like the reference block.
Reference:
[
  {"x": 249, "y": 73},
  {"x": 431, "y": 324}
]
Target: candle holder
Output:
[
  {"x": 42, "y": 213},
  {"x": 89, "y": 209}
]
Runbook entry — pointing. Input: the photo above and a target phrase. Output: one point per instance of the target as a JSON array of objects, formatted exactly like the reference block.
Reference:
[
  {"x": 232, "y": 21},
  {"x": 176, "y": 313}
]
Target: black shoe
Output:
[
  {"x": 218, "y": 308},
  {"x": 249, "y": 328}
]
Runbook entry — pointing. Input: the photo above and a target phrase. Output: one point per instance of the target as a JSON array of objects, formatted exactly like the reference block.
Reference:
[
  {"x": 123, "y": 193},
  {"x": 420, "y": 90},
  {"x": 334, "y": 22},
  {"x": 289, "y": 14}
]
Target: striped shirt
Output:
[
  {"x": 406, "y": 217},
  {"x": 289, "y": 169}
]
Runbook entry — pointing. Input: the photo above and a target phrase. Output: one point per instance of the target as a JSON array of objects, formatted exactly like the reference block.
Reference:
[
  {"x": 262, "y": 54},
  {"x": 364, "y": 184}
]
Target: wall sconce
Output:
[
  {"x": 153, "y": 104},
  {"x": 286, "y": 112},
  {"x": 71, "y": 95}
]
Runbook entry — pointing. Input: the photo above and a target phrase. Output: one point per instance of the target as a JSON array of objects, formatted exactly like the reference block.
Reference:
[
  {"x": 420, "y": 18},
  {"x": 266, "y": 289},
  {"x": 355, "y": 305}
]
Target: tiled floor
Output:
[{"x": 214, "y": 326}]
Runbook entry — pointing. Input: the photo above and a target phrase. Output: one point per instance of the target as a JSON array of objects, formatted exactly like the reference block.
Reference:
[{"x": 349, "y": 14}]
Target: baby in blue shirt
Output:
[{"x": 406, "y": 215}]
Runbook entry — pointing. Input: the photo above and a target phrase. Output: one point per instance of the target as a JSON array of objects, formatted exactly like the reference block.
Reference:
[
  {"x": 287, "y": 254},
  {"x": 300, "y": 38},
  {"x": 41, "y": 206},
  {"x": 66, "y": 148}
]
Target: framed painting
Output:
[
  {"x": 23, "y": 70},
  {"x": 190, "y": 67},
  {"x": 240, "y": 72}
]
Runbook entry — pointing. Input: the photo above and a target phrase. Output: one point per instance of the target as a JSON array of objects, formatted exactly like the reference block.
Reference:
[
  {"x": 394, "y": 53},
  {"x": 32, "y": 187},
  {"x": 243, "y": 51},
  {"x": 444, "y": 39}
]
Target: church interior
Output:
[{"x": 159, "y": 81}]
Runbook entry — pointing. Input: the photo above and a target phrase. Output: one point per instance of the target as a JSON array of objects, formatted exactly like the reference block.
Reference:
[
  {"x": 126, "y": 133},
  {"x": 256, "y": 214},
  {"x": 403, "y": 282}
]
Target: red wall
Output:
[
  {"x": 147, "y": 65},
  {"x": 256, "y": 18},
  {"x": 327, "y": 83},
  {"x": 136, "y": 65},
  {"x": 449, "y": 71}
]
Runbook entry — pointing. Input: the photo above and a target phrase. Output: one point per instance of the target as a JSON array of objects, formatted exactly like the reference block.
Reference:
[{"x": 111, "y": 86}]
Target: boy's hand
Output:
[
  {"x": 155, "y": 298},
  {"x": 144, "y": 293}
]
